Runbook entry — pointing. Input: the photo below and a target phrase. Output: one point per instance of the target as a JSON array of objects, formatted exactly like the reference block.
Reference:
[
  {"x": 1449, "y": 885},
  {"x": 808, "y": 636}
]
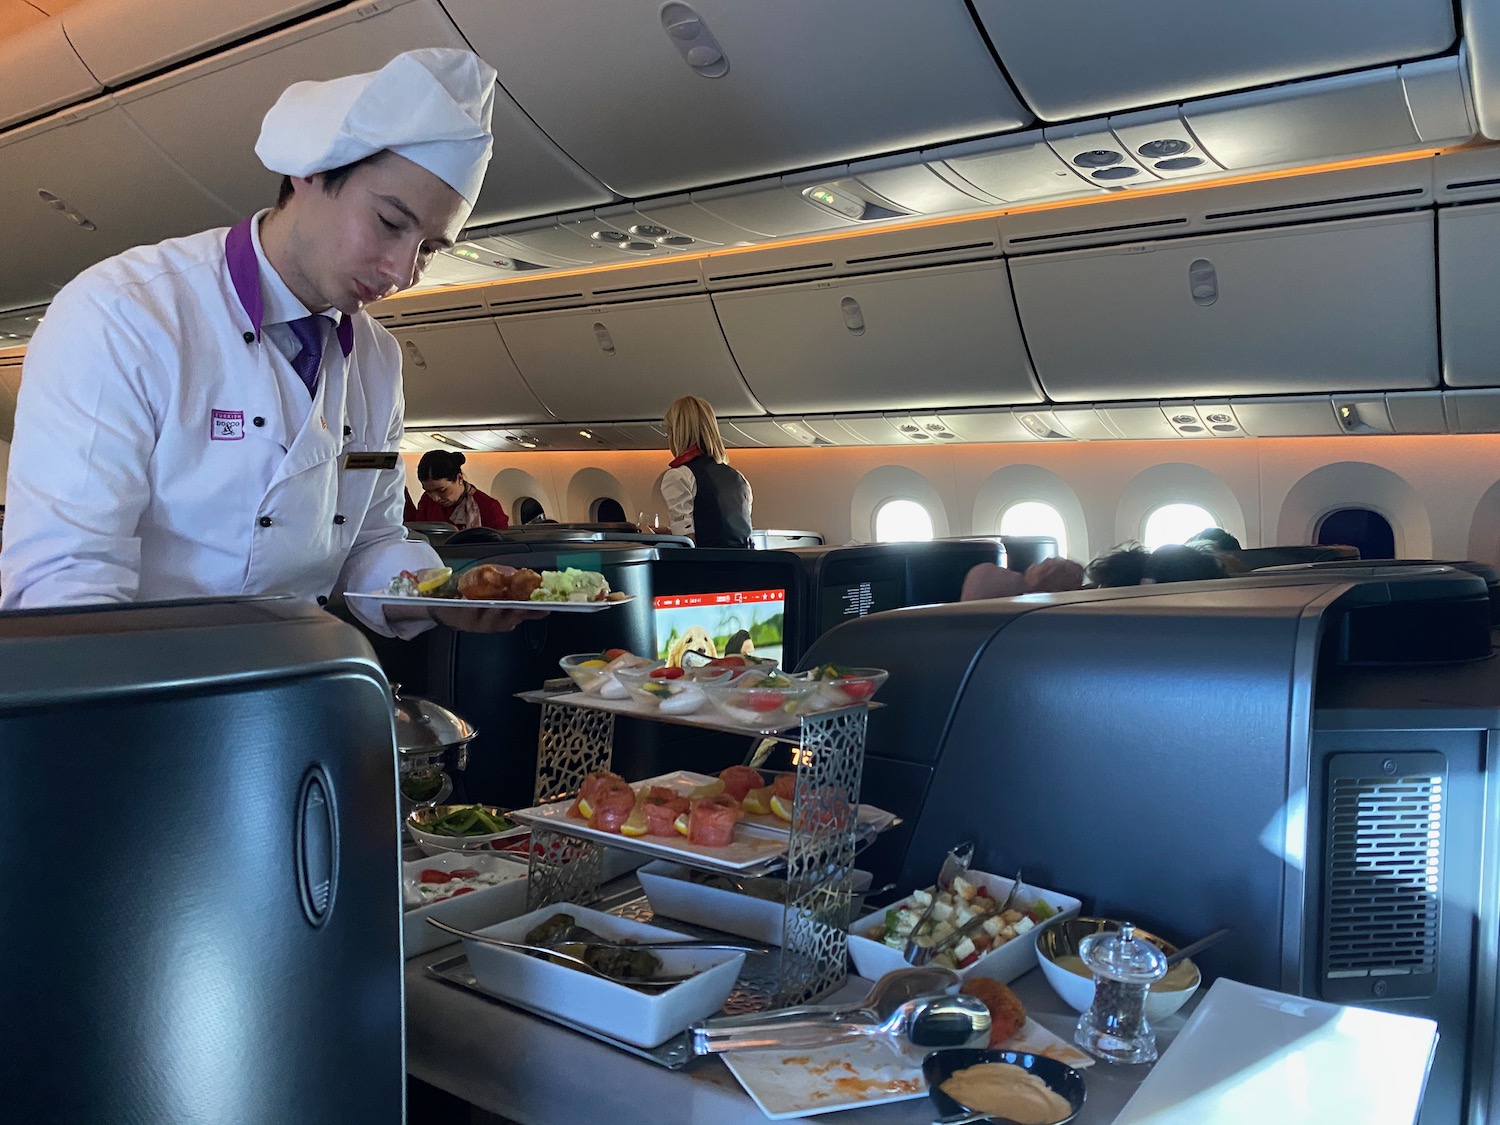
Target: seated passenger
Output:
[
  {"x": 1215, "y": 539},
  {"x": 1056, "y": 575},
  {"x": 986, "y": 580},
  {"x": 1131, "y": 564}
]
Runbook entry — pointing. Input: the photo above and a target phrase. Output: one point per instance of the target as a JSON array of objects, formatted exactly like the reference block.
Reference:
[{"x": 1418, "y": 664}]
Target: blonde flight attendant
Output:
[
  {"x": 706, "y": 499},
  {"x": 217, "y": 414}
]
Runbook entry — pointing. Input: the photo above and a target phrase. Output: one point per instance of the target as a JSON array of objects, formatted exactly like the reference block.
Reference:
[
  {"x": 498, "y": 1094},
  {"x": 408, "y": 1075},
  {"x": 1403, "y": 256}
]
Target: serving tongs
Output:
[
  {"x": 955, "y": 864},
  {"x": 907, "y": 1008}
]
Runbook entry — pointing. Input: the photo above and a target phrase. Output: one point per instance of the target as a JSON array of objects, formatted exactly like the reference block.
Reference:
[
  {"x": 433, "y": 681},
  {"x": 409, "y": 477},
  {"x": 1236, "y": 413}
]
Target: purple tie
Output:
[{"x": 309, "y": 333}]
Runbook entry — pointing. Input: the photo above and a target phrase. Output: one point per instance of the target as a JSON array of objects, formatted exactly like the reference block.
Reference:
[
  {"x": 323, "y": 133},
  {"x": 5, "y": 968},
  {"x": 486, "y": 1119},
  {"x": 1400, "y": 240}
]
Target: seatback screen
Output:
[{"x": 749, "y": 622}]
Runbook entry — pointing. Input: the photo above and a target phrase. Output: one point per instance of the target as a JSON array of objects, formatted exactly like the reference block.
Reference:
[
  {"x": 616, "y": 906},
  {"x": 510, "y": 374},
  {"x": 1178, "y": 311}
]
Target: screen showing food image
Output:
[{"x": 743, "y": 622}]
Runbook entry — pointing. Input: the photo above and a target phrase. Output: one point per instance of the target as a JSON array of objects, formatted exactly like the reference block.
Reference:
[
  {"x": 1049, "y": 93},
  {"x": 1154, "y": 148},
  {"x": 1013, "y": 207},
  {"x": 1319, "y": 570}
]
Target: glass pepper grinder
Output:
[{"x": 1124, "y": 966}]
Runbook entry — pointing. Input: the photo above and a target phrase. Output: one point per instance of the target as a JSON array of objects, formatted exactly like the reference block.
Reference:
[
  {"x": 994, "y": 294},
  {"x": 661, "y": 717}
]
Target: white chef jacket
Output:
[{"x": 161, "y": 450}]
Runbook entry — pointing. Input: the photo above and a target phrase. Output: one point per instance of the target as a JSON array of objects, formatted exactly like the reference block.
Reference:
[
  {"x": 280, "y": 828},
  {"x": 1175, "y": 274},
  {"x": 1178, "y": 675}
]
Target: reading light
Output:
[
  {"x": 832, "y": 199},
  {"x": 588, "y": 434}
]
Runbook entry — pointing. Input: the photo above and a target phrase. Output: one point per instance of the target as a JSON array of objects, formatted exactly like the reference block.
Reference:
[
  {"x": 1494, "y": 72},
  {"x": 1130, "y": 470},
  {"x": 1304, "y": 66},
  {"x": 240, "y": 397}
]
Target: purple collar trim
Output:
[{"x": 244, "y": 272}]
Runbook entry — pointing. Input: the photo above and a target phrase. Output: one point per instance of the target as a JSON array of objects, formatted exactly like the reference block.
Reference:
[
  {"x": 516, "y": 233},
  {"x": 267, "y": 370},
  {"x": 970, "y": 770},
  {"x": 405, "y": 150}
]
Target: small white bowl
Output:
[
  {"x": 432, "y": 843},
  {"x": 1078, "y": 991},
  {"x": 481, "y": 907}
]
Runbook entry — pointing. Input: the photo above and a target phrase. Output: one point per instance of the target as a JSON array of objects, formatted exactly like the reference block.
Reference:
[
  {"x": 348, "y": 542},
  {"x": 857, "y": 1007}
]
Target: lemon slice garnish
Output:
[
  {"x": 585, "y": 809},
  {"x": 781, "y": 808},
  {"x": 635, "y": 823},
  {"x": 681, "y": 824},
  {"x": 758, "y": 800},
  {"x": 712, "y": 789},
  {"x": 432, "y": 578}
]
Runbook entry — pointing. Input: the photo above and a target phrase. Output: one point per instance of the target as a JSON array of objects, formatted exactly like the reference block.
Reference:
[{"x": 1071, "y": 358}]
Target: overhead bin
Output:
[
  {"x": 1348, "y": 305},
  {"x": 1369, "y": 112},
  {"x": 120, "y": 42},
  {"x": 42, "y": 73},
  {"x": 720, "y": 90},
  {"x": 1468, "y": 285},
  {"x": 628, "y": 361},
  {"x": 1088, "y": 57},
  {"x": 943, "y": 336},
  {"x": 461, "y": 373},
  {"x": 80, "y": 186},
  {"x": 182, "y": 112}
]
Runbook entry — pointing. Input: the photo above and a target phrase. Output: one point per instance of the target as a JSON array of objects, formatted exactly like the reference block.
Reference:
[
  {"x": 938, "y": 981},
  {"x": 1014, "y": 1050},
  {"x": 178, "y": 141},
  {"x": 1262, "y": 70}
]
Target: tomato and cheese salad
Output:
[
  {"x": 953, "y": 909},
  {"x": 433, "y": 884}
]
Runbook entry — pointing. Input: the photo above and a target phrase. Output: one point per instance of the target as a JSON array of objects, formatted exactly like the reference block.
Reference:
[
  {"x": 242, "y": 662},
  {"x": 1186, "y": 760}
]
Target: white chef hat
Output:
[{"x": 431, "y": 106}]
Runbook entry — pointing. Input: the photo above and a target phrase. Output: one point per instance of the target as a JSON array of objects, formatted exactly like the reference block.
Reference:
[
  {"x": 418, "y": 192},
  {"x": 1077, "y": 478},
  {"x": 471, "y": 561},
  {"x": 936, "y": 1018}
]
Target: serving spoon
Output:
[{"x": 568, "y": 960}]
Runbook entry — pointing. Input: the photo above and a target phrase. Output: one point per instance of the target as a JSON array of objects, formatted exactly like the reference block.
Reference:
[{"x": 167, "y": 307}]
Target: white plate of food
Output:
[
  {"x": 850, "y": 1076},
  {"x": 477, "y": 603},
  {"x": 875, "y": 941},
  {"x": 746, "y": 845},
  {"x": 496, "y": 586},
  {"x": 467, "y": 891},
  {"x": 756, "y": 910}
]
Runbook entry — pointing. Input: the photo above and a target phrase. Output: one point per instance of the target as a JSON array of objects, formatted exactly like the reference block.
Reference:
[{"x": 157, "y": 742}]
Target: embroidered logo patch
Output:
[{"x": 227, "y": 425}]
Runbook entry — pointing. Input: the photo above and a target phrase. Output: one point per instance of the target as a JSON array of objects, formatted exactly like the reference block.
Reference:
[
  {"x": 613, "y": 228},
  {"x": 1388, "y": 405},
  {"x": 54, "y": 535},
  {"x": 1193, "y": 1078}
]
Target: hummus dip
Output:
[{"x": 1005, "y": 1090}]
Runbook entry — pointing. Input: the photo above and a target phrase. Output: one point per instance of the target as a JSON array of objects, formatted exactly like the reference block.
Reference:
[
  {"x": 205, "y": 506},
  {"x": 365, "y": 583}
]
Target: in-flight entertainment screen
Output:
[{"x": 751, "y": 622}]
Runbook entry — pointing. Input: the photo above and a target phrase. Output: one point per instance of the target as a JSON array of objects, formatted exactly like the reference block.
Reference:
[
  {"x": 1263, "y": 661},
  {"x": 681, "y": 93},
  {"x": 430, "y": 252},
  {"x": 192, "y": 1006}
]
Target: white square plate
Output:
[
  {"x": 644, "y": 1019},
  {"x": 468, "y": 911},
  {"x": 673, "y": 894},
  {"x": 793, "y": 1083},
  {"x": 873, "y": 958}
]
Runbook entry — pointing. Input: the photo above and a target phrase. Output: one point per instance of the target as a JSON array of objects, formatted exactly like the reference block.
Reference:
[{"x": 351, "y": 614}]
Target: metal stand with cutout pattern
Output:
[{"x": 576, "y": 740}]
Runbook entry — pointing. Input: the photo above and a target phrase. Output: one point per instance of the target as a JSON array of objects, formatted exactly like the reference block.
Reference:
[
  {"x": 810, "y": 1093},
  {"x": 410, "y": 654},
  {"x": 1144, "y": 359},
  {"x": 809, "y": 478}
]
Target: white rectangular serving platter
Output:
[{"x": 468, "y": 911}]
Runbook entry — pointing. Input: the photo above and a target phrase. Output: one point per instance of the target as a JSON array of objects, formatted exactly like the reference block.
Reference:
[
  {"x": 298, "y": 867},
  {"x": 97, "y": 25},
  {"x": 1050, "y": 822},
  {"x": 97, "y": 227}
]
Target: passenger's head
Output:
[
  {"x": 1215, "y": 539},
  {"x": 441, "y": 474},
  {"x": 1124, "y": 566},
  {"x": 368, "y": 195},
  {"x": 1177, "y": 562},
  {"x": 690, "y": 421},
  {"x": 1056, "y": 575}
]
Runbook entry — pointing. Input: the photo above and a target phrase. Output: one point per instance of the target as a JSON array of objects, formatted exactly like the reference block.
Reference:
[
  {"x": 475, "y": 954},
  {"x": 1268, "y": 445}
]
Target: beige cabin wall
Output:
[{"x": 813, "y": 488}]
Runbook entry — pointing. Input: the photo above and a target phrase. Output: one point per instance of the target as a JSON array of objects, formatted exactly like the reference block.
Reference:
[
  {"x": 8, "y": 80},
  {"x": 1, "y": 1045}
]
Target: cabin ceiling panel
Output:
[
  {"x": 1020, "y": 169},
  {"x": 1467, "y": 174},
  {"x": 42, "y": 73},
  {"x": 123, "y": 39},
  {"x": 1310, "y": 416},
  {"x": 1468, "y": 285},
  {"x": 1472, "y": 412},
  {"x": 943, "y": 336},
  {"x": 626, "y": 361},
  {"x": 1481, "y": 24},
  {"x": 1315, "y": 308},
  {"x": 1416, "y": 412},
  {"x": 1090, "y": 57},
  {"x": 183, "y": 112},
  {"x": 660, "y": 98},
  {"x": 460, "y": 373},
  {"x": 124, "y": 189}
]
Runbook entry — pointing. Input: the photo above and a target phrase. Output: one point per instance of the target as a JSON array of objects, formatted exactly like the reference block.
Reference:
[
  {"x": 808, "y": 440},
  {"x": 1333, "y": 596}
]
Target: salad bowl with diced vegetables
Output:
[
  {"x": 758, "y": 697},
  {"x": 1001, "y": 947}
]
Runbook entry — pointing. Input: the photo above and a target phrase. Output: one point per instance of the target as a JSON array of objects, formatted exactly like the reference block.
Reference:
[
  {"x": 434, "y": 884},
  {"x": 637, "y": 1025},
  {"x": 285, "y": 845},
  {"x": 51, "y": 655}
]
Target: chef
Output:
[{"x": 217, "y": 414}]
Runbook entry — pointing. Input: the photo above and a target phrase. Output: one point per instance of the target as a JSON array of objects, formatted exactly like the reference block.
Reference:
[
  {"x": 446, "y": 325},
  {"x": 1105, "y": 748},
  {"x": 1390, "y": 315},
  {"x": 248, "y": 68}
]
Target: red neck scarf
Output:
[{"x": 685, "y": 456}]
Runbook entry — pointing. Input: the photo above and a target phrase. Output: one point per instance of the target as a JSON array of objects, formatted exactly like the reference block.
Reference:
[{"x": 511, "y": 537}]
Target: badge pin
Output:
[{"x": 227, "y": 425}]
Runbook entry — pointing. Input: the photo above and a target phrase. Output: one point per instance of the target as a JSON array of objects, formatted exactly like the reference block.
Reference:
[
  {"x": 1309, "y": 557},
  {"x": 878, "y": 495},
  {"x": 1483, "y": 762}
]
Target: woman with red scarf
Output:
[
  {"x": 706, "y": 499},
  {"x": 448, "y": 498}
]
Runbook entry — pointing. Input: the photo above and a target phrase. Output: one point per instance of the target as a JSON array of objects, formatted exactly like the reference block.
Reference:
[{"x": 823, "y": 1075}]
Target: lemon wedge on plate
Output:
[
  {"x": 703, "y": 792},
  {"x": 432, "y": 578},
  {"x": 585, "y": 809},
  {"x": 781, "y": 808},
  {"x": 681, "y": 824},
  {"x": 758, "y": 800},
  {"x": 635, "y": 823}
]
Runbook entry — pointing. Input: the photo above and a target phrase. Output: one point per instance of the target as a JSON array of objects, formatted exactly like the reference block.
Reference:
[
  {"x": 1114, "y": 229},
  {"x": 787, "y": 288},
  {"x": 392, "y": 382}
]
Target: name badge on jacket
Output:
[{"x": 373, "y": 460}]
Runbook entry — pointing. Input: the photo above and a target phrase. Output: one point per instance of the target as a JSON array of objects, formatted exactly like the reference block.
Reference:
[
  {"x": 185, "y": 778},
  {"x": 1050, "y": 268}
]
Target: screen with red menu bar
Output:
[{"x": 750, "y": 622}]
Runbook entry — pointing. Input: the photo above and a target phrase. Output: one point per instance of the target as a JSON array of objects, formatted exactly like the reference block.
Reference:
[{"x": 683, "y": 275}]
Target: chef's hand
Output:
[{"x": 472, "y": 620}]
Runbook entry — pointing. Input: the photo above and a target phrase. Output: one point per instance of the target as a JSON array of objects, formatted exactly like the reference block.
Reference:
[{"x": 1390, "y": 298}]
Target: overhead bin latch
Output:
[{"x": 694, "y": 42}]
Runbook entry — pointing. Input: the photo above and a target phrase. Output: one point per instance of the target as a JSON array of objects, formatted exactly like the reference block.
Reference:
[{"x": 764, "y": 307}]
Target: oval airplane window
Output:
[
  {"x": 1032, "y": 517},
  {"x": 1368, "y": 531},
  {"x": 529, "y": 510},
  {"x": 606, "y": 509},
  {"x": 902, "y": 521},
  {"x": 1175, "y": 523}
]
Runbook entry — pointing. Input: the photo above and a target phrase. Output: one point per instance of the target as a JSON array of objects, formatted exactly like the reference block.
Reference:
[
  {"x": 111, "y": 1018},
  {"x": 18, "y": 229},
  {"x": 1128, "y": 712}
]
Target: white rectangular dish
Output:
[
  {"x": 873, "y": 958},
  {"x": 481, "y": 907},
  {"x": 672, "y": 894},
  {"x": 644, "y": 1019},
  {"x": 419, "y": 603}
]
